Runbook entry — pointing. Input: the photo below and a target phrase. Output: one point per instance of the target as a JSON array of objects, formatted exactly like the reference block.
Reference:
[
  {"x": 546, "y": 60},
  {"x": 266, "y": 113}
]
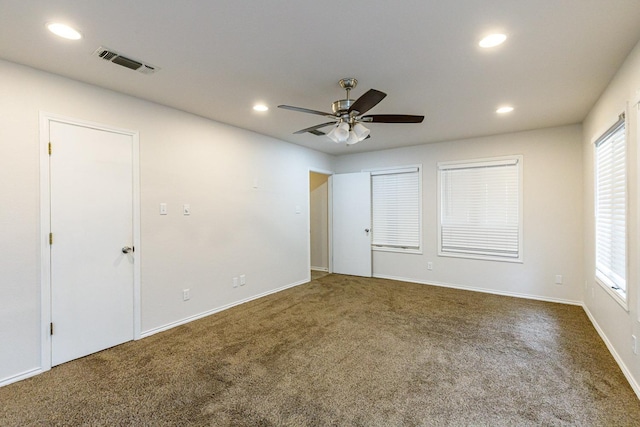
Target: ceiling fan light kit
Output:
[
  {"x": 351, "y": 134},
  {"x": 348, "y": 115}
]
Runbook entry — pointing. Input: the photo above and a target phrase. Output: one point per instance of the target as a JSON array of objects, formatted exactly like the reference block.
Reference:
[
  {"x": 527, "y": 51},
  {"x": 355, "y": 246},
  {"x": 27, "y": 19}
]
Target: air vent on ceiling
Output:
[{"x": 113, "y": 56}]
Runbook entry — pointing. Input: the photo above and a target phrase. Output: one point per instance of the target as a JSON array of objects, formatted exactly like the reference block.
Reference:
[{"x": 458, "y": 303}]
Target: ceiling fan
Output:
[{"x": 348, "y": 115}]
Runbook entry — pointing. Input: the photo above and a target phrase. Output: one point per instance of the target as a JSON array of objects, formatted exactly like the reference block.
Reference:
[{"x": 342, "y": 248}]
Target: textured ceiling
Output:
[{"x": 218, "y": 58}]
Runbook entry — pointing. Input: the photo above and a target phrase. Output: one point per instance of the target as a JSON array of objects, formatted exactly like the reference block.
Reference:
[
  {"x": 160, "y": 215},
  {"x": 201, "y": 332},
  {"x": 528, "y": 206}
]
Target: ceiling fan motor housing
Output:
[{"x": 342, "y": 106}]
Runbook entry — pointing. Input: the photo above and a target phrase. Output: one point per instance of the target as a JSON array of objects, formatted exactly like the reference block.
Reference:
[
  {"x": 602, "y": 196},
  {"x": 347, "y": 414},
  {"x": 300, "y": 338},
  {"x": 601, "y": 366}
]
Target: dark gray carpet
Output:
[{"x": 346, "y": 351}]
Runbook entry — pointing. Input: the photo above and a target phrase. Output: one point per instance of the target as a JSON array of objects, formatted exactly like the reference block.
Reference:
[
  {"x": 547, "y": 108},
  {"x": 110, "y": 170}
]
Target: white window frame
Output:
[
  {"x": 618, "y": 294},
  {"x": 393, "y": 170},
  {"x": 517, "y": 161}
]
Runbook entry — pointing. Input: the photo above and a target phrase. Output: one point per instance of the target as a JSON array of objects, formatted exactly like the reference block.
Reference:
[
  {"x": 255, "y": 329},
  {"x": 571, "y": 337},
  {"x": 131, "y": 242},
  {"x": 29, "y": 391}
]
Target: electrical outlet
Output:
[
  {"x": 243, "y": 280},
  {"x": 429, "y": 266},
  {"x": 235, "y": 282},
  {"x": 186, "y": 294}
]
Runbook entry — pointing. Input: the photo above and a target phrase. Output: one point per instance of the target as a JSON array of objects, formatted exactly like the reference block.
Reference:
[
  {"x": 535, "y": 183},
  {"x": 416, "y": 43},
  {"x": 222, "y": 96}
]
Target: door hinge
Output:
[
  {"x": 49, "y": 148},
  {"x": 51, "y": 238},
  {"x": 51, "y": 328}
]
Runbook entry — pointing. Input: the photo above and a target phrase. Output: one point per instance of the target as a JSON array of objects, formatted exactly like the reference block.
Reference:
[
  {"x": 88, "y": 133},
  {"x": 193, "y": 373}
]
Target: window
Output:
[
  {"x": 480, "y": 209},
  {"x": 610, "y": 209},
  {"x": 395, "y": 205}
]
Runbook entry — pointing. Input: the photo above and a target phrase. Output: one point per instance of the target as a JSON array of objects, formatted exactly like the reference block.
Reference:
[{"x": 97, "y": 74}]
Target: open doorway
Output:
[{"x": 319, "y": 221}]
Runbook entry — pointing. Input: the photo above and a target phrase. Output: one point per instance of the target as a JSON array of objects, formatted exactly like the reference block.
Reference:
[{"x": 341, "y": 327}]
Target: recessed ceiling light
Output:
[
  {"x": 260, "y": 107},
  {"x": 64, "y": 31},
  {"x": 504, "y": 110},
  {"x": 492, "y": 40}
]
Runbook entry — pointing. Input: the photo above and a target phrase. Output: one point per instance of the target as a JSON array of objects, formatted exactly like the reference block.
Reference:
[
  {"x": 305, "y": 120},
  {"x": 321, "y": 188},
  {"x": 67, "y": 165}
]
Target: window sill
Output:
[
  {"x": 480, "y": 257},
  {"x": 396, "y": 250},
  {"x": 618, "y": 296}
]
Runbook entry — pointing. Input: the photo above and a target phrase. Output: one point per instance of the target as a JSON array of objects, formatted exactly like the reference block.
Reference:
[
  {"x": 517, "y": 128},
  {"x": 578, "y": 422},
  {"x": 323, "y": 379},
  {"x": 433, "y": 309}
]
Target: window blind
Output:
[
  {"x": 395, "y": 209},
  {"x": 611, "y": 207},
  {"x": 480, "y": 208}
]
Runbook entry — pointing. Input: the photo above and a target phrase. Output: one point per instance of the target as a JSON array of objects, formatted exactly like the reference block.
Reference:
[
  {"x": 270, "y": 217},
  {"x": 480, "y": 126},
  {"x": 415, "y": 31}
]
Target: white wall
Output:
[
  {"x": 616, "y": 324},
  {"x": 552, "y": 215},
  {"x": 233, "y": 229}
]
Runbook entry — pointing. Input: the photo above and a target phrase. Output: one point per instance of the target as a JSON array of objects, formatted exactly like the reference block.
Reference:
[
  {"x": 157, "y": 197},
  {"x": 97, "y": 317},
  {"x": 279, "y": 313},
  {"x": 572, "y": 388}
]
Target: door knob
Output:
[
  {"x": 366, "y": 230},
  {"x": 127, "y": 249}
]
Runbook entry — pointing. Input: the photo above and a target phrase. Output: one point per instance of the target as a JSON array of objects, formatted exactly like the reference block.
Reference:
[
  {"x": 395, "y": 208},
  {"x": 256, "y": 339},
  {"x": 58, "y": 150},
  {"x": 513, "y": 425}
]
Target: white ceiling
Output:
[{"x": 219, "y": 57}]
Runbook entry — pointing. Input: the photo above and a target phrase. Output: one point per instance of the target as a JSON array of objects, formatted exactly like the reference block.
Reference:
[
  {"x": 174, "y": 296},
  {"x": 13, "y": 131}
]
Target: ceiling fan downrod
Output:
[{"x": 342, "y": 105}]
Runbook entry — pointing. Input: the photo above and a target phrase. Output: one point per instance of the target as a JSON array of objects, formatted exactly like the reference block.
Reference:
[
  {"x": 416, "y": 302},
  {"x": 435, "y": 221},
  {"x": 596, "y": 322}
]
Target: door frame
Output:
[
  {"x": 45, "y": 227},
  {"x": 329, "y": 216}
]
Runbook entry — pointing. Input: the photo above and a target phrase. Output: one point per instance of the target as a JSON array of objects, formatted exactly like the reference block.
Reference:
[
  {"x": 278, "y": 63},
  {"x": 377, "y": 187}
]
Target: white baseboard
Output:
[
  {"x": 39, "y": 370},
  {"x": 171, "y": 325},
  {"x": 483, "y": 290},
  {"x": 627, "y": 373},
  {"x": 325, "y": 269},
  {"x": 21, "y": 376},
  {"x": 632, "y": 381}
]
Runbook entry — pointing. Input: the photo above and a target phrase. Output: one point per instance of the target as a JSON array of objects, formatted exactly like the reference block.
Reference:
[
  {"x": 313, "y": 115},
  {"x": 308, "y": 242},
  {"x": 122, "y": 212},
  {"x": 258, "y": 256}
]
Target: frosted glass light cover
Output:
[
  {"x": 353, "y": 138},
  {"x": 361, "y": 131},
  {"x": 332, "y": 135},
  {"x": 342, "y": 132}
]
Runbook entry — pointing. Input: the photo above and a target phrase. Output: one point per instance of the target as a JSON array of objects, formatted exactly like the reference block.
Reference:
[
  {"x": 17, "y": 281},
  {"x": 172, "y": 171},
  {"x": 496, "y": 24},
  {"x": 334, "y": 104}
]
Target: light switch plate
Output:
[
  {"x": 163, "y": 208},
  {"x": 186, "y": 209}
]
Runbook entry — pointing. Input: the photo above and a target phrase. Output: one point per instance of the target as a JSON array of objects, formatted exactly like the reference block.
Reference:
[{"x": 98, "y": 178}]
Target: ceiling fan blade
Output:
[
  {"x": 392, "y": 118},
  {"x": 367, "y": 101},
  {"x": 306, "y": 110},
  {"x": 314, "y": 129}
]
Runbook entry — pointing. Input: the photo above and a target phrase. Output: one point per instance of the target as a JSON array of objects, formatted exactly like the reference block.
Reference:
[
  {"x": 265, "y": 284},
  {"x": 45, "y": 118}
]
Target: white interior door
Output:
[
  {"x": 352, "y": 223},
  {"x": 92, "y": 282}
]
